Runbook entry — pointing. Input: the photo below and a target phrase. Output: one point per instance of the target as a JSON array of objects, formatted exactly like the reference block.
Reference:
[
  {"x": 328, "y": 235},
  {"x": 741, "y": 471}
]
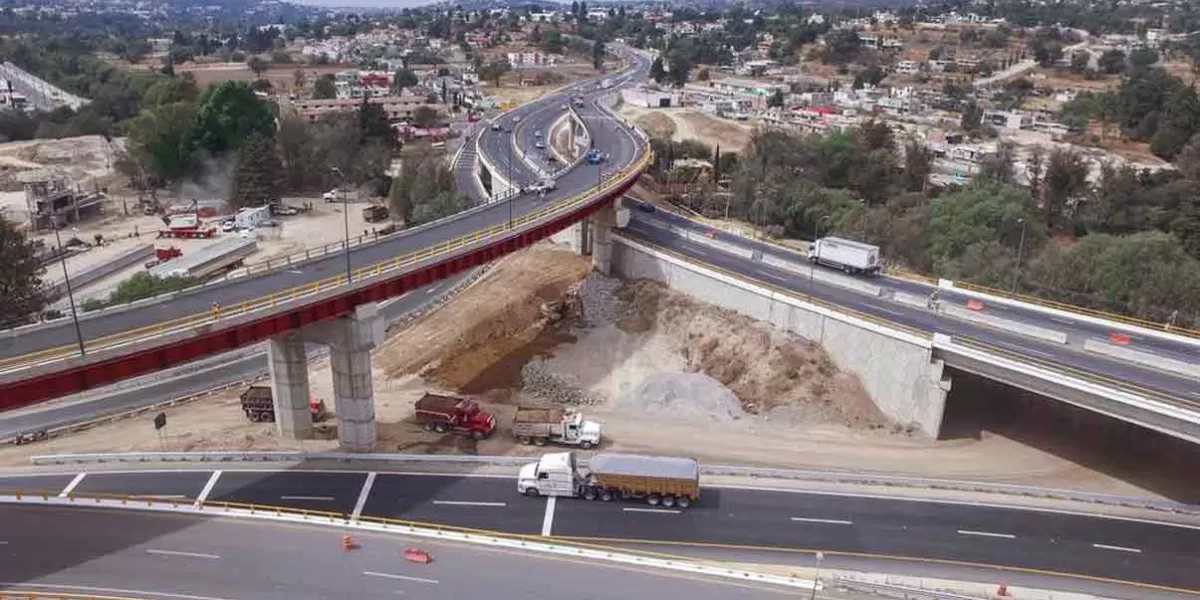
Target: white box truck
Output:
[
  {"x": 659, "y": 480},
  {"x": 848, "y": 255}
]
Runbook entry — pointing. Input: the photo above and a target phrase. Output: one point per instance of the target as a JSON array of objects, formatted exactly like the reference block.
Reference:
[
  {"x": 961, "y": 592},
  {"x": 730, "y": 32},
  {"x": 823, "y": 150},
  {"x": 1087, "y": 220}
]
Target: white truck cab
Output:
[
  {"x": 578, "y": 431},
  {"x": 554, "y": 474}
]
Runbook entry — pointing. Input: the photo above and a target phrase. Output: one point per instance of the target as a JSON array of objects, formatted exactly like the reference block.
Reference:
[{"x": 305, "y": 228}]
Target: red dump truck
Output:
[
  {"x": 659, "y": 480},
  {"x": 259, "y": 405},
  {"x": 447, "y": 413}
]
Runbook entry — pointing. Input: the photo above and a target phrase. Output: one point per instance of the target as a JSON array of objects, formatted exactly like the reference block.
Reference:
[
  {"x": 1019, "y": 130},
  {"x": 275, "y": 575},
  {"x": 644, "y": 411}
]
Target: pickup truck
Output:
[
  {"x": 659, "y": 480},
  {"x": 541, "y": 425}
]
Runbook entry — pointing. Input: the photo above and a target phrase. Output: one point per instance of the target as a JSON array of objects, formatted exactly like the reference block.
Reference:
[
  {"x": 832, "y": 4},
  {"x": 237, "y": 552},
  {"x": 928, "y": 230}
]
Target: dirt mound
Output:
[{"x": 672, "y": 395}]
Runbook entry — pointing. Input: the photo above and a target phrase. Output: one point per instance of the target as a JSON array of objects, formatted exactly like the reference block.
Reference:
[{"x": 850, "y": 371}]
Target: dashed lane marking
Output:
[
  {"x": 71, "y": 486},
  {"x": 669, "y": 511},
  {"x": 314, "y": 498},
  {"x": 362, "y": 496},
  {"x": 826, "y": 521},
  {"x": 401, "y": 577},
  {"x": 548, "y": 520},
  {"x": 1117, "y": 548},
  {"x": 181, "y": 553},
  {"x": 467, "y": 503},
  {"x": 208, "y": 487},
  {"x": 1007, "y": 536}
]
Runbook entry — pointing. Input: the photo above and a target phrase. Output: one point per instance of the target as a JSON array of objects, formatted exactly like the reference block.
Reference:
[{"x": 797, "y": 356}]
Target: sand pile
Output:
[{"x": 684, "y": 395}]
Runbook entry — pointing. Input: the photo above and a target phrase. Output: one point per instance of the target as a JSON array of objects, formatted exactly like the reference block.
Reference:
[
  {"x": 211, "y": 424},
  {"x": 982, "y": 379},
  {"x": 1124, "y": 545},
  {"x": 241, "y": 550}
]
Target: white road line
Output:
[
  {"x": 402, "y": 577},
  {"x": 105, "y": 590},
  {"x": 466, "y": 503},
  {"x": 187, "y": 554},
  {"x": 71, "y": 486},
  {"x": 826, "y": 521},
  {"x": 212, "y": 481},
  {"x": 669, "y": 511},
  {"x": 432, "y": 290},
  {"x": 362, "y": 496},
  {"x": 1063, "y": 321},
  {"x": 888, "y": 311},
  {"x": 1117, "y": 548},
  {"x": 320, "y": 498},
  {"x": 1007, "y": 536},
  {"x": 548, "y": 520},
  {"x": 773, "y": 277},
  {"x": 158, "y": 496}
]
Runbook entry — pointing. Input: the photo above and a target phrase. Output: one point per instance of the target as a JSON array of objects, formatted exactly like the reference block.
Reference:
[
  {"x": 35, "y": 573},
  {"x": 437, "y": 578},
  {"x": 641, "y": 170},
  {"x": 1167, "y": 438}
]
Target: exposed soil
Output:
[{"x": 687, "y": 124}]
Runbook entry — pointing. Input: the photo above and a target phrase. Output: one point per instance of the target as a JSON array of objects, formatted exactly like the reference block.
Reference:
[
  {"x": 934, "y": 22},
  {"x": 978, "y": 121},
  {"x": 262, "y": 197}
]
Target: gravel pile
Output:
[
  {"x": 683, "y": 395},
  {"x": 601, "y": 306},
  {"x": 537, "y": 380}
]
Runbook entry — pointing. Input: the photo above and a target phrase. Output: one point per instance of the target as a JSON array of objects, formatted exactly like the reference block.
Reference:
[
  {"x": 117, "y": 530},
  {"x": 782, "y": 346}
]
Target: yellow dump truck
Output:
[{"x": 659, "y": 480}]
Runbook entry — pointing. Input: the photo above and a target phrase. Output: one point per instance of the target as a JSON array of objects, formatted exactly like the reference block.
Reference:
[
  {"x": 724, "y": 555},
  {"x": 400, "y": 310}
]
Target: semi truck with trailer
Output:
[
  {"x": 447, "y": 413},
  {"x": 659, "y": 480},
  {"x": 541, "y": 425},
  {"x": 848, "y": 255}
]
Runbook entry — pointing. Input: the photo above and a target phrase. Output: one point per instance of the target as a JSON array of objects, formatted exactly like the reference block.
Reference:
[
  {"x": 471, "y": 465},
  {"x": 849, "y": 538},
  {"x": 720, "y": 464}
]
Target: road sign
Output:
[{"x": 160, "y": 420}]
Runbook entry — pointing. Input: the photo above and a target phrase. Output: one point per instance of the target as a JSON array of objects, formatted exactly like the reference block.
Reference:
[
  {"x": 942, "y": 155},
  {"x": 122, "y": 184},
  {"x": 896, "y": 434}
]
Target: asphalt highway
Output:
[
  {"x": 619, "y": 142},
  {"x": 187, "y": 379},
  {"x": 741, "y": 518},
  {"x": 642, "y": 227},
  {"x": 89, "y": 552}
]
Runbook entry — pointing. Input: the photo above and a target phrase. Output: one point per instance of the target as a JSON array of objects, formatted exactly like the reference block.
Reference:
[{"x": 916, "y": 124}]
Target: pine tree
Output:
[
  {"x": 20, "y": 287},
  {"x": 259, "y": 179}
]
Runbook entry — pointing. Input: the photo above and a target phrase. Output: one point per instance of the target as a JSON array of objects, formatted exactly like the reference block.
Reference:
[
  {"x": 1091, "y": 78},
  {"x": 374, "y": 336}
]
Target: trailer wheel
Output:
[
  {"x": 589, "y": 493},
  {"x": 526, "y": 440},
  {"x": 532, "y": 492},
  {"x": 606, "y": 496},
  {"x": 668, "y": 501},
  {"x": 653, "y": 499},
  {"x": 268, "y": 416},
  {"x": 683, "y": 502},
  {"x": 477, "y": 435},
  {"x": 252, "y": 415},
  {"x": 427, "y": 426},
  {"x": 585, "y": 445},
  {"x": 440, "y": 427},
  {"x": 539, "y": 441}
]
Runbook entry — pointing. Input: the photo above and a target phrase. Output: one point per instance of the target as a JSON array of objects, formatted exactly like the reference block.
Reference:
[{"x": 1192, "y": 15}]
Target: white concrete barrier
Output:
[
  {"x": 1149, "y": 359},
  {"x": 966, "y": 314}
]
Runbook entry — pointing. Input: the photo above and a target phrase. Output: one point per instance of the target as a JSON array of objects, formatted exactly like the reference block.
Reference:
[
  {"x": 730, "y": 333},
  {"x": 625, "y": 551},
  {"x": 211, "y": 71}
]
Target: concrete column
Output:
[
  {"x": 288, "y": 366},
  {"x": 351, "y": 341},
  {"x": 602, "y": 223}
]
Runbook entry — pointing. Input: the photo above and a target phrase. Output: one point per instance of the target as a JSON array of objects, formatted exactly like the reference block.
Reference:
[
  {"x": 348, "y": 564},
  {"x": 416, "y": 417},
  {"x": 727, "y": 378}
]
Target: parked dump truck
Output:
[
  {"x": 375, "y": 213},
  {"x": 259, "y": 405},
  {"x": 447, "y": 413},
  {"x": 848, "y": 255},
  {"x": 659, "y": 480},
  {"x": 541, "y": 425}
]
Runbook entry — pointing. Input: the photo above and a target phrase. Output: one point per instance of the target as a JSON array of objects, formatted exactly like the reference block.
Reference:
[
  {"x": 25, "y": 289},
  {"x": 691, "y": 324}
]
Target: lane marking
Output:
[
  {"x": 401, "y": 577},
  {"x": 548, "y": 520},
  {"x": 1118, "y": 548},
  {"x": 826, "y": 521},
  {"x": 71, "y": 486},
  {"x": 318, "y": 498},
  {"x": 179, "y": 553},
  {"x": 669, "y": 511},
  {"x": 1063, "y": 321},
  {"x": 467, "y": 503},
  {"x": 1007, "y": 536},
  {"x": 159, "y": 496},
  {"x": 362, "y": 496},
  {"x": 212, "y": 481},
  {"x": 431, "y": 290},
  {"x": 106, "y": 590}
]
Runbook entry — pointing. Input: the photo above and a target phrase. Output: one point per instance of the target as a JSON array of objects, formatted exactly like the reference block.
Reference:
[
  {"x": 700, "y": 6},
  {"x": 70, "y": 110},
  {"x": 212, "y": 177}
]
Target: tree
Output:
[
  {"x": 325, "y": 88},
  {"x": 144, "y": 285},
  {"x": 981, "y": 214},
  {"x": 597, "y": 54},
  {"x": 1079, "y": 61},
  {"x": 403, "y": 79},
  {"x": 399, "y": 201},
  {"x": 656, "y": 70},
  {"x": 776, "y": 100},
  {"x": 1112, "y": 61},
  {"x": 918, "y": 165},
  {"x": 170, "y": 90},
  {"x": 258, "y": 65},
  {"x": 1065, "y": 179},
  {"x": 20, "y": 286},
  {"x": 1179, "y": 119},
  {"x": 1141, "y": 58},
  {"x": 160, "y": 143},
  {"x": 229, "y": 113},
  {"x": 373, "y": 124},
  {"x": 681, "y": 67},
  {"x": 426, "y": 117},
  {"x": 259, "y": 178}
]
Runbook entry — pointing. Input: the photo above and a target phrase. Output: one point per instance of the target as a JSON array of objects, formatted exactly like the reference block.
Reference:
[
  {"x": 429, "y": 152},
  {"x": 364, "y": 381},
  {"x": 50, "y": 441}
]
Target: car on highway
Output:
[
  {"x": 540, "y": 145},
  {"x": 543, "y": 186}
]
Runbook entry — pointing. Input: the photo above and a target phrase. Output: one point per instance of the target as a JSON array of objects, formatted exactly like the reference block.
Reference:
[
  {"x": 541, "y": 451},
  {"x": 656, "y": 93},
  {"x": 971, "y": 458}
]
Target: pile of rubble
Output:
[{"x": 538, "y": 381}]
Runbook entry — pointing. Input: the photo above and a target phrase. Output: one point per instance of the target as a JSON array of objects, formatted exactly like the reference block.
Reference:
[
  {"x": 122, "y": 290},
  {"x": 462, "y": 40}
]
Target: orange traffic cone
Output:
[
  {"x": 417, "y": 555},
  {"x": 348, "y": 543}
]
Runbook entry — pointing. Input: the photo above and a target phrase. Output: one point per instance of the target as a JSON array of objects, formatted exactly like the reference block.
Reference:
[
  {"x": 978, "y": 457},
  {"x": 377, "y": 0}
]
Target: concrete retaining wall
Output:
[
  {"x": 1153, "y": 361},
  {"x": 897, "y": 368},
  {"x": 1017, "y": 327},
  {"x": 134, "y": 256}
]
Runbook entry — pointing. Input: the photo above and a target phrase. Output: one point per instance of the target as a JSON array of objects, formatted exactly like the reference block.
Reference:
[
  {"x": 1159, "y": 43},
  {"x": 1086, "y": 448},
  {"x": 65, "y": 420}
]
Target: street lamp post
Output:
[
  {"x": 345, "y": 220},
  {"x": 509, "y": 201},
  {"x": 1020, "y": 251},
  {"x": 820, "y": 556},
  {"x": 62, "y": 257}
]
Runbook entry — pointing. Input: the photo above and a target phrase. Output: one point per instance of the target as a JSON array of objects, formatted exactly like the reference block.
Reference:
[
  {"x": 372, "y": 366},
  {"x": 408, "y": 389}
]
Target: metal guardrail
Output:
[
  {"x": 293, "y": 294},
  {"x": 578, "y": 549},
  {"x": 897, "y": 591},
  {"x": 824, "y": 476}
]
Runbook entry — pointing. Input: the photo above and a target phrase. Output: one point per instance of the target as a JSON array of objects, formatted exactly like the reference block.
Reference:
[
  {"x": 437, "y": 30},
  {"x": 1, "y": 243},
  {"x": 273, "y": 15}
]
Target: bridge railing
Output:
[{"x": 290, "y": 295}]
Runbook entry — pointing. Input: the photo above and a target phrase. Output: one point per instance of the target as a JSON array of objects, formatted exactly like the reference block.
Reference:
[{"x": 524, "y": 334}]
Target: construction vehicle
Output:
[
  {"x": 187, "y": 225},
  {"x": 447, "y": 413},
  {"x": 659, "y": 480},
  {"x": 375, "y": 213},
  {"x": 165, "y": 254},
  {"x": 541, "y": 425},
  {"x": 259, "y": 405},
  {"x": 848, "y": 255}
]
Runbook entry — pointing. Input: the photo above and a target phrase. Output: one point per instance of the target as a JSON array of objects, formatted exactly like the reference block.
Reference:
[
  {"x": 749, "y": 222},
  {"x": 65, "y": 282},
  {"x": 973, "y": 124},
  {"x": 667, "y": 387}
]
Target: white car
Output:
[
  {"x": 541, "y": 187},
  {"x": 229, "y": 226},
  {"x": 539, "y": 145}
]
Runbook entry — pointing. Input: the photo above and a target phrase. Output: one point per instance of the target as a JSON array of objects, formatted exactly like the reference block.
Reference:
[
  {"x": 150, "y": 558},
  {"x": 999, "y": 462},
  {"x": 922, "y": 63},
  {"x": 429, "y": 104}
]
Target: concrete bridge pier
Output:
[
  {"x": 350, "y": 340},
  {"x": 611, "y": 215}
]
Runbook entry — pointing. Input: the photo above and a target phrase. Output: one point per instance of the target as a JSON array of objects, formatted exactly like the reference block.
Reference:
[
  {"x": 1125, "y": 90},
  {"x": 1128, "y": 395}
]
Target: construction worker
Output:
[
  {"x": 933, "y": 300},
  {"x": 216, "y": 311}
]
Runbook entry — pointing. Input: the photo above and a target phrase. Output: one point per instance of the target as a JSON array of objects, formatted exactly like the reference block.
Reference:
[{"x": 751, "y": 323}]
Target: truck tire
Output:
[
  {"x": 441, "y": 427},
  {"x": 683, "y": 502},
  {"x": 268, "y": 416},
  {"x": 653, "y": 499},
  {"x": 606, "y": 496},
  {"x": 525, "y": 440},
  {"x": 585, "y": 445},
  {"x": 477, "y": 435},
  {"x": 539, "y": 441},
  {"x": 427, "y": 426},
  {"x": 589, "y": 493},
  {"x": 668, "y": 501},
  {"x": 252, "y": 415},
  {"x": 532, "y": 492}
]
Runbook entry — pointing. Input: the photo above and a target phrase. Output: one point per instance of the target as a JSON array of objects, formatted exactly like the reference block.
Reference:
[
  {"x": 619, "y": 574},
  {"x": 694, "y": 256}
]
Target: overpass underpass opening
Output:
[
  {"x": 485, "y": 179},
  {"x": 977, "y": 407}
]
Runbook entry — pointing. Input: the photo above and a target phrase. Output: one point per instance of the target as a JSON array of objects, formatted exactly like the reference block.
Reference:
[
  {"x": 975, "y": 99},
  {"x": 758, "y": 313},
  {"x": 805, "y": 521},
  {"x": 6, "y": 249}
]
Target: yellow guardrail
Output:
[
  {"x": 1094, "y": 377},
  {"x": 20, "y": 594},
  {"x": 1100, "y": 314},
  {"x": 291, "y": 294}
]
